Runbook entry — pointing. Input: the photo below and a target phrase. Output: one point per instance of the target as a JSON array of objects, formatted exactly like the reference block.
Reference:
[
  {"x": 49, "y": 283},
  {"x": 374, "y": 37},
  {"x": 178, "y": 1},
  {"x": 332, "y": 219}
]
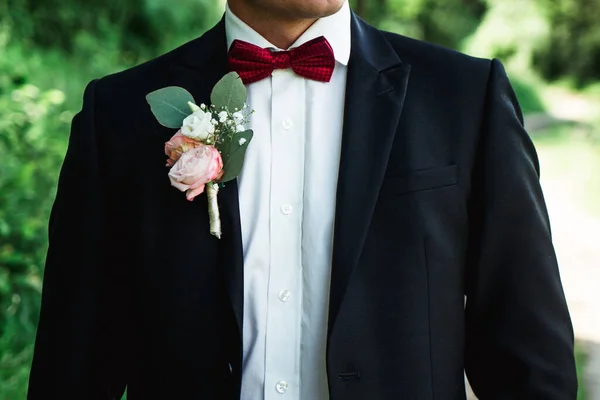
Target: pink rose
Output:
[
  {"x": 195, "y": 168},
  {"x": 178, "y": 145}
]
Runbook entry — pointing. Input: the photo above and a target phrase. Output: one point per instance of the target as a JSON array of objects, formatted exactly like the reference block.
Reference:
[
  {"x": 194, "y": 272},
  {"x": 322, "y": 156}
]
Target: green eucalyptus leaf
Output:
[
  {"x": 233, "y": 152},
  {"x": 229, "y": 93},
  {"x": 224, "y": 147},
  {"x": 170, "y": 105}
]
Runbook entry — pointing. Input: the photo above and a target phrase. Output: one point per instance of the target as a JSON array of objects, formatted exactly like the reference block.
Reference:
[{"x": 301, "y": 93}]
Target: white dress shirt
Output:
[{"x": 287, "y": 205}]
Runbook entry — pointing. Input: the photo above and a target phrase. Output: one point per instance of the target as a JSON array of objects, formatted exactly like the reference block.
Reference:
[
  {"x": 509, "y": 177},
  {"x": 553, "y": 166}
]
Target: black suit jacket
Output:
[{"x": 438, "y": 199}]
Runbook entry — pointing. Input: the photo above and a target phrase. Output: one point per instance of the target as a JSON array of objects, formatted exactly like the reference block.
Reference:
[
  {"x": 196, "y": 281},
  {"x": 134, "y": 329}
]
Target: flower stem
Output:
[{"x": 212, "y": 189}]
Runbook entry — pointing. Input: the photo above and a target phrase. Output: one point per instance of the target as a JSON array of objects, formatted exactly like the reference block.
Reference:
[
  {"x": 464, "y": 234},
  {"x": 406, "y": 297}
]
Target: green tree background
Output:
[{"x": 49, "y": 50}]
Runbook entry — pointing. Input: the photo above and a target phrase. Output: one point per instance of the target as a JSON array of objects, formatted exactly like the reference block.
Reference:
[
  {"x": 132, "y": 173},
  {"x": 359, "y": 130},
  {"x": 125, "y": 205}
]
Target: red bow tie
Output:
[{"x": 313, "y": 60}]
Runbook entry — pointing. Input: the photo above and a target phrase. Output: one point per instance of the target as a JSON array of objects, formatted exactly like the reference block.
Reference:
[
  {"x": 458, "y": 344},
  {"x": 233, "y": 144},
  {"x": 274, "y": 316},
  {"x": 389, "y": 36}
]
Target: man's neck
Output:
[{"x": 279, "y": 31}]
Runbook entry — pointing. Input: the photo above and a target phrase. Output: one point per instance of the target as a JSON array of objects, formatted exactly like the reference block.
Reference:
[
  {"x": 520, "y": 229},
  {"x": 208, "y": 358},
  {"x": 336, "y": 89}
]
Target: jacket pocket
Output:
[{"x": 426, "y": 179}]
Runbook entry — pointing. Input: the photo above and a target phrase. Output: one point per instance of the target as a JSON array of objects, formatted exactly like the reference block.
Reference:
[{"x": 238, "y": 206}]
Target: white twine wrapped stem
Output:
[{"x": 212, "y": 189}]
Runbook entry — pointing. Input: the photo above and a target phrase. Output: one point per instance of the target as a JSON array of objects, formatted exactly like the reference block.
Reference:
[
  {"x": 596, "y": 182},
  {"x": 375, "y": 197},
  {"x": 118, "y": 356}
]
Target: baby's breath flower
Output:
[{"x": 238, "y": 117}]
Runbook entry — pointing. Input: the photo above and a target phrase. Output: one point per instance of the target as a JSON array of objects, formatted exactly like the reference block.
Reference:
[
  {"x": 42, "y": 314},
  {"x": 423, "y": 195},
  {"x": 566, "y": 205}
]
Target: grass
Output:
[{"x": 580, "y": 361}]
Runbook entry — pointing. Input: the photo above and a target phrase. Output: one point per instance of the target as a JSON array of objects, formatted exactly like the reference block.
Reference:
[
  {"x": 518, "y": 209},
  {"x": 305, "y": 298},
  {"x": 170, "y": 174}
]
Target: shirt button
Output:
[
  {"x": 287, "y": 209},
  {"x": 284, "y": 295},
  {"x": 282, "y": 387},
  {"x": 287, "y": 124}
]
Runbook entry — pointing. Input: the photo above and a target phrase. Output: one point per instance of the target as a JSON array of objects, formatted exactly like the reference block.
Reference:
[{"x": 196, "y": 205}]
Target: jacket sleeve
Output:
[
  {"x": 519, "y": 338},
  {"x": 73, "y": 344}
]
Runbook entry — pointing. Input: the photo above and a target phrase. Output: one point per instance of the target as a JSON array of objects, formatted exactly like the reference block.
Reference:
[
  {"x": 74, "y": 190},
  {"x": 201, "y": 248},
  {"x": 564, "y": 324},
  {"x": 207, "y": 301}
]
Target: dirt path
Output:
[{"x": 576, "y": 234}]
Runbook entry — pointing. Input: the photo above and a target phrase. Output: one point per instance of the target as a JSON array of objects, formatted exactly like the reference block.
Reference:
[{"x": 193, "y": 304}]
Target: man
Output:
[{"x": 375, "y": 197}]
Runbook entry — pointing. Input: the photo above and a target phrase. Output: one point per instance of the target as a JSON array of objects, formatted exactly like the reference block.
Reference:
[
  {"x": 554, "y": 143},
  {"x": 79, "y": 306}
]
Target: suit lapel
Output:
[
  {"x": 201, "y": 65},
  {"x": 375, "y": 91}
]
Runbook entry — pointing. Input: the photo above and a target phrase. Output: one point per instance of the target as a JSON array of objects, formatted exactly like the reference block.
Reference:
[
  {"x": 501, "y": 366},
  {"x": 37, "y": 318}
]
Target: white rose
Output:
[{"x": 198, "y": 126}]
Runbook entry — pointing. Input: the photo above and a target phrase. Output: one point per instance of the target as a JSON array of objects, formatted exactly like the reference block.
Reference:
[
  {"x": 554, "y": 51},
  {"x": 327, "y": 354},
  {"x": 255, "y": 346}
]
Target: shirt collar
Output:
[{"x": 335, "y": 28}]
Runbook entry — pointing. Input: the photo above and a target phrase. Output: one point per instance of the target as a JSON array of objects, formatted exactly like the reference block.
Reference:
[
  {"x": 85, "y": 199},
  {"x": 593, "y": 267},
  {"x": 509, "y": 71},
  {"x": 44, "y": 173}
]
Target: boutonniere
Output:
[{"x": 209, "y": 147}]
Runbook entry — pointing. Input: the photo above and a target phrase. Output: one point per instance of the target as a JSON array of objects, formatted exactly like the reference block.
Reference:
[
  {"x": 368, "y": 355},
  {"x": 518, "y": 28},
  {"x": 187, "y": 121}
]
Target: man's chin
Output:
[{"x": 313, "y": 9}]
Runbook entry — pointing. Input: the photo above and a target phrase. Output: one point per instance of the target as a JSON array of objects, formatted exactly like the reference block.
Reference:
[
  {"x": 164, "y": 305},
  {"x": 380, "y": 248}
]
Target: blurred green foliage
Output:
[
  {"x": 554, "y": 38},
  {"x": 510, "y": 33},
  {"x": 446, "y": 22},
  {"x": 49, "y": 50},
  {"x": 32, "y": 126},
  {"x": 135, "y": 29},
  {"x": 572, "y": 48}
]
